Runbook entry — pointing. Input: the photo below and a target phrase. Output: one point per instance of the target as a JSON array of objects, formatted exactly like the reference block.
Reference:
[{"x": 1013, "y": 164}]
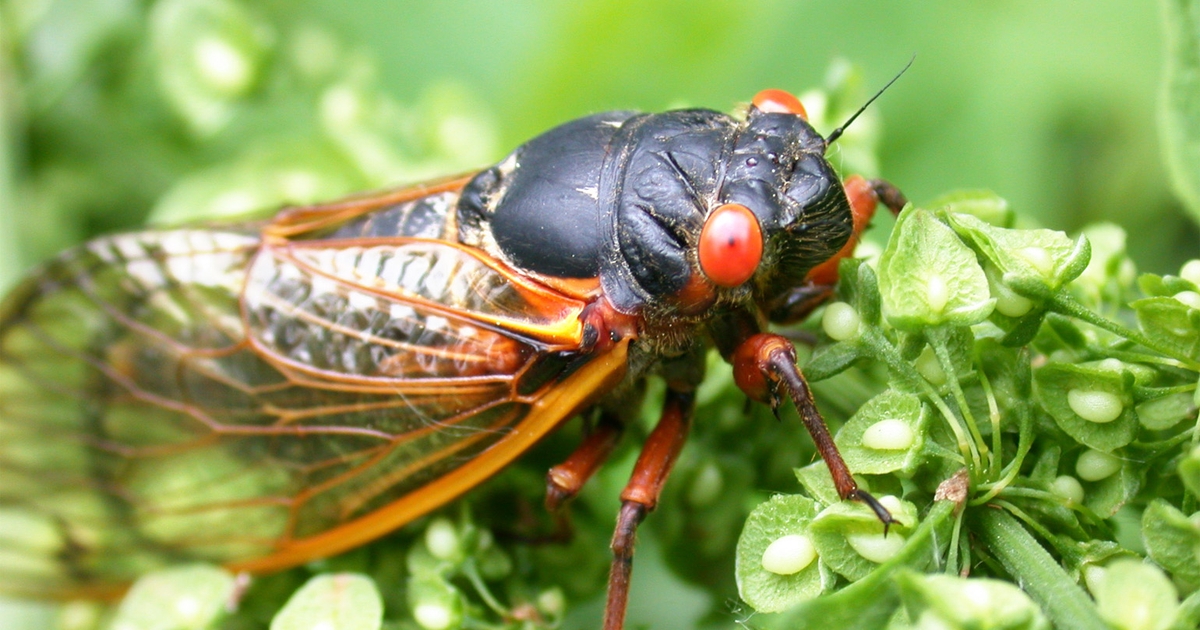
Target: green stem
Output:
[
  {"x": 937, "y": 339},
  {"x": 1066, "y": 604},
  {"x": 884, "y": 351},
  {"x": 1063, "y": 303},
  {"x": 993, "y": 418},
  {"x": 1024, "y": 443}
]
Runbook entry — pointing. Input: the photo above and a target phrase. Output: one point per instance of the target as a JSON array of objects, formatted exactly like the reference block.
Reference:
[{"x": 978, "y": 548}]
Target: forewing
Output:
[{"x": 199, "y": 394}]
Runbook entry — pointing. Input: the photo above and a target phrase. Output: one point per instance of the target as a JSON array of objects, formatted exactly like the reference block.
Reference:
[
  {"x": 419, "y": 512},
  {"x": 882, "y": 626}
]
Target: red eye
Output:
[
  {"x": 730, "y": 245},
  {"x": 779, "y": 102}
]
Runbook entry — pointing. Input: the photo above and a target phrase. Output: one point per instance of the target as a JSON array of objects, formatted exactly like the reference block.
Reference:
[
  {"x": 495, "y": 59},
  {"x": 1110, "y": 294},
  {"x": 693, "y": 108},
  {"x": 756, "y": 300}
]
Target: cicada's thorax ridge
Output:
[{"x": 623, "y": 197}]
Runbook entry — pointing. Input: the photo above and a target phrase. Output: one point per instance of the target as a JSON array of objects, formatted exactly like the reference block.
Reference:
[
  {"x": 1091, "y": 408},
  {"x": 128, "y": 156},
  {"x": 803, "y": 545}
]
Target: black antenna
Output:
[{"x": 837, "y": 133}]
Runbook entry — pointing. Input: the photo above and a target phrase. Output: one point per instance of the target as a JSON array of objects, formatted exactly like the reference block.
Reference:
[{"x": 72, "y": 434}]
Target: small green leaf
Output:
[
  {"x": 928, "y": 277},
  {"x": 1171, "y": 323},
  {"x": 339, "y": 601},
  {"x": 1034, "y": 263},
  {"x": 818, "y": 483},
  {"x": 1164, "y": 412},
  {"x": 1173, "y": 542},
  {"x": 866, "y": 298},
  {"x": 850, "y": 539},
  {"x": 887, "y": 434},
  {"x": 762, "y": 589},
  {"x": 831, "y": 360},
  {"x": 951, "y": 602},
  {"x": 1133, "y": 595},
  {"x": 180, "y": 598},
  {"x": 1057, "y": 381},
  {"x": 981, "y": 204}
]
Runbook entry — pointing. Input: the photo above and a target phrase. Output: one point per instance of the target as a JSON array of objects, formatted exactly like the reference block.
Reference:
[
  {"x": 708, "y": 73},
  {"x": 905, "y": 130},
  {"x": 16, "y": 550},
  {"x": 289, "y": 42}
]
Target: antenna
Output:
[{"x": 837, "y": 133}]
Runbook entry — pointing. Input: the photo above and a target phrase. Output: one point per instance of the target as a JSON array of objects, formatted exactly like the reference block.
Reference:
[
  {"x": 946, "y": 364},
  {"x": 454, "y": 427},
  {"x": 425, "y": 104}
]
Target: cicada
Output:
[{"x": 263, "y": 394}]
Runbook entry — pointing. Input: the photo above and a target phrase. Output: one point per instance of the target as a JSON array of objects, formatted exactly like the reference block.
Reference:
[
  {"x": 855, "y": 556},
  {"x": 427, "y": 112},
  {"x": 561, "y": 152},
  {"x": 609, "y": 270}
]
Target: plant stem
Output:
[
  {"x": 1063, "y": 303},
  {"x": 884, "y": 351},
  {"x": 1064, "y": 602}
]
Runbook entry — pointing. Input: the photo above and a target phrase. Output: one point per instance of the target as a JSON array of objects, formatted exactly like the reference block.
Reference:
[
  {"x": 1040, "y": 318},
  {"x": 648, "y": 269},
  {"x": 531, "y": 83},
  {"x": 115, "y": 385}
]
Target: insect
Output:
[{"x": 264, "y": 394}]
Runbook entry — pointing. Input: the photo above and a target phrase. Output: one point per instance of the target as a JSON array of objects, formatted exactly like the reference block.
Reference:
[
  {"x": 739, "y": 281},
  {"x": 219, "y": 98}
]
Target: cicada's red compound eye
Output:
[
  {"x": 731, "y": 245},
  {"x": 779, "y": 102}
]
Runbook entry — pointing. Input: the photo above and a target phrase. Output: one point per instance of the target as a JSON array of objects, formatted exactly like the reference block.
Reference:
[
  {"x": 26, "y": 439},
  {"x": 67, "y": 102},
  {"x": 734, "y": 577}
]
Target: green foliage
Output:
[{"x": 190, "y": 109}]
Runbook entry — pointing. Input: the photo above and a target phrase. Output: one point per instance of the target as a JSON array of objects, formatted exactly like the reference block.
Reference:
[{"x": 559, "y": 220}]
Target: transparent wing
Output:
[{"x": 202, "y": 394}]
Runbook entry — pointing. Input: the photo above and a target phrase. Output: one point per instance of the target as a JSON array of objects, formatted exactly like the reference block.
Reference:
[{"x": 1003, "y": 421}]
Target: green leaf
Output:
[
  {"x": 1180, "y": 112},
  {"x": 180, "y": 598},
  {"x": 951, "y": 602},
  {"x": 1057, "y": 381},
  {"x": 1034, "y": 263},
  {"x": 1133, "y": 595},
  {"x": 1164, "y": 412},
  {"x": 893, "y": 425},
  {"x": 850, "y": 539},
  {"x": 818, "y": 483},
  {"x": 1171, "y": 323},
  {"x": 866, "y": 289},
  {"x": 831, "y": 360},
  {"x": 1173, "y": 542},
  {"x": 763, "y": 590},
  {"x": 339, "y": 601},
  {"x": 868, "y": 603},
  {"x": 928, "y": 277},
  {"x": 981, "y": 204}
]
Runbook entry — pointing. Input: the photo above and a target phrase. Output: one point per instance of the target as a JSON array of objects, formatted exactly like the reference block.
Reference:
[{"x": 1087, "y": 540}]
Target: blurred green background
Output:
[
  {"x": 1050, "y": 104},
  {"x": 114, "y": 109}
]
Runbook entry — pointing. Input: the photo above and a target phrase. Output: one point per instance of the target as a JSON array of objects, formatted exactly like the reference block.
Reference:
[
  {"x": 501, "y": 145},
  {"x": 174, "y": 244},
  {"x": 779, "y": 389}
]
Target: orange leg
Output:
[
  {"x": 565, "y": 480},
  {"x": 765, "y": 364},
  {"x": 641, "y": 496}
]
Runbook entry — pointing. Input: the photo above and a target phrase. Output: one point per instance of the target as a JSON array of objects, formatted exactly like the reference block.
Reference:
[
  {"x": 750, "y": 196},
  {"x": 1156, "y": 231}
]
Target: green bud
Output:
[
  {"x": 1069, "y": 488},
  {"x": 1095, "y": 406},
  {"x": 789, "y": 554},
  {"x": 1190, "y": 271},
  {"x": 1094, "y": 465},
  {"x": 840, "y": 321},
  {"x": 876, "y": 547},
  {"x": 1191, "y": 299},
  {"x": 442, "y": 540},
  {"x": 888, "y": 435},
  {"x": 928, "y": 366}
]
